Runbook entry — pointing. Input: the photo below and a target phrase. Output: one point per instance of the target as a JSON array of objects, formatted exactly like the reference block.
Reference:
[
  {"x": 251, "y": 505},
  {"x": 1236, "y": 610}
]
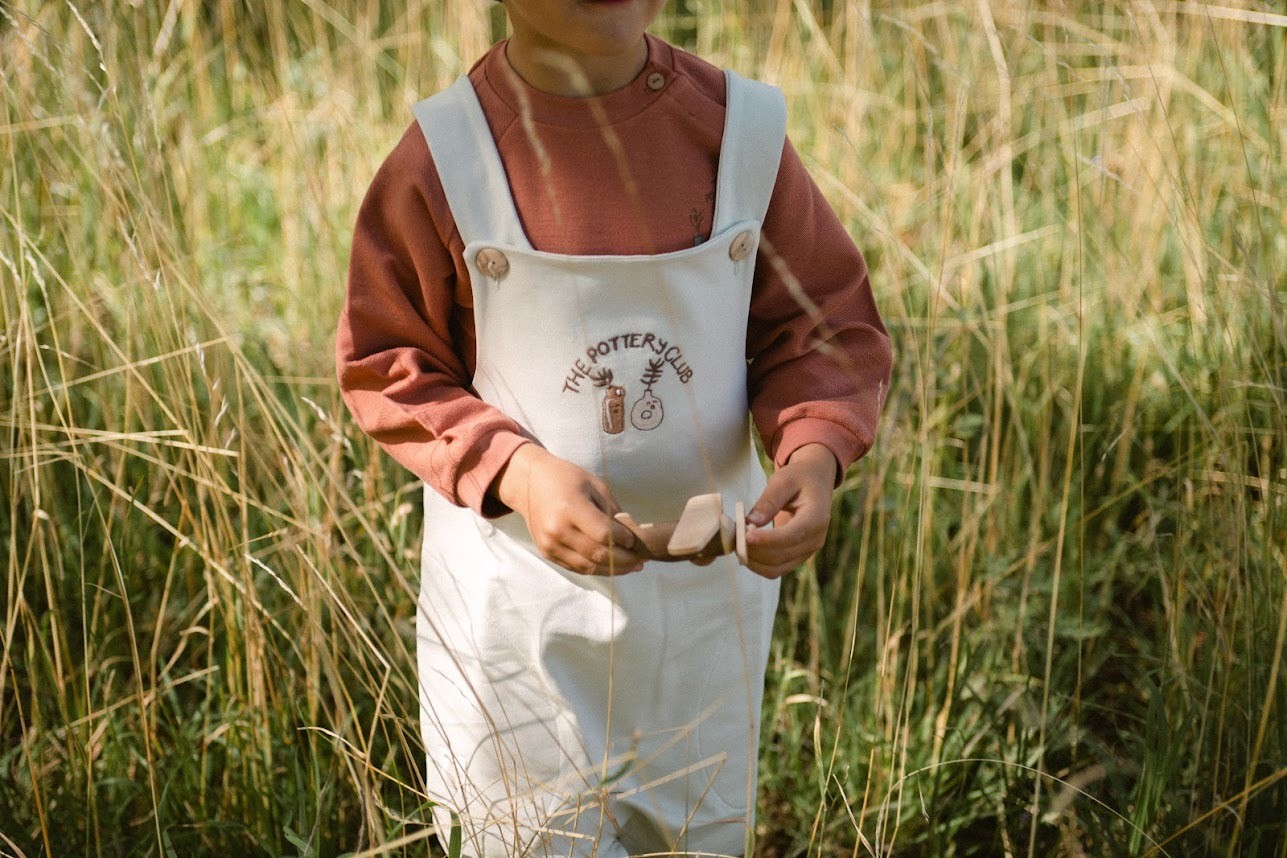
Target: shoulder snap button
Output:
[
  {"x": 492, "y": 263},
  {"x": 741, "y": 246},
  {"x": 656, "y": 81}
]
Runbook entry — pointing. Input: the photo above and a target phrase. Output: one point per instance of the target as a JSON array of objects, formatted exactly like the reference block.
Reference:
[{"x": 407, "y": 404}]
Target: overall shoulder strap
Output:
[
  {"x": 469, "y": 166},
  {"x": 754, "y": 133}
]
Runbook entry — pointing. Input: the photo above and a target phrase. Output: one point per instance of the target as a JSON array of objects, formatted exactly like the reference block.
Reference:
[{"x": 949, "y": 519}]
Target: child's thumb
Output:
[{"x": 776, "y": 495}]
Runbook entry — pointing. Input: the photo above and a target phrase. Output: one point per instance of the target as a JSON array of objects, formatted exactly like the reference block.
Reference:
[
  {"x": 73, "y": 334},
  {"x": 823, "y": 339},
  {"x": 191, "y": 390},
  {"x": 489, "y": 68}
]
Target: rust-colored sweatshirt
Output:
[{"x": 629, "y": 172}]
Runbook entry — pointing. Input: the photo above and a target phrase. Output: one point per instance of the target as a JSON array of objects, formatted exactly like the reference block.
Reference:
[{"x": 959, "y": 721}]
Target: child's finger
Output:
[
  {"x": 797, "y": 527},
  {"x": 779, "y": 554},
  {"x": 601, "y": 530},
  {"x": 594, "y": 544},
  {"x": 797, "y": 535},
  {"x": 588, "y": 558},
  {"x": 772, "y": 570},
  {"x": 775, "y": 561},
  {"x": 779, "y": 492}
]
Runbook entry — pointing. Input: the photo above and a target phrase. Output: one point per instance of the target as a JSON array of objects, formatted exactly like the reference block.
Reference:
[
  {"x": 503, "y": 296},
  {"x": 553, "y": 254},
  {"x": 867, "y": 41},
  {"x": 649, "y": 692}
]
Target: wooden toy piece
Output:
[
  {"x": 699, "y": 523},
  {"x": 701, "y": 534},
  {"x": 650, "y": 539},
  {"x": 739, "y": 521},
  {"x": 727, "y": 533}
]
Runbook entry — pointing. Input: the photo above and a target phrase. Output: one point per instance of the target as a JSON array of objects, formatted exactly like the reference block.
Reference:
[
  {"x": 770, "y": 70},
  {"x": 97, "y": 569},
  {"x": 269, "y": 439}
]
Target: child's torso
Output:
[{"x": 631, "y": 366}]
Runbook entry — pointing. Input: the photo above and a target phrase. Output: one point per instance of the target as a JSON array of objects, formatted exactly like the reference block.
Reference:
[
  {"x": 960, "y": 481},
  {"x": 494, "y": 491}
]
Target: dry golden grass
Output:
[{"x": 1050, "y": 618}]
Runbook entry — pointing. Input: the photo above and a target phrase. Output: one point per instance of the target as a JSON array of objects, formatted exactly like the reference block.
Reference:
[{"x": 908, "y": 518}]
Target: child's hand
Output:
[
  {"x": 798, "y": 502},
  {"x": 568, "y": 512}
]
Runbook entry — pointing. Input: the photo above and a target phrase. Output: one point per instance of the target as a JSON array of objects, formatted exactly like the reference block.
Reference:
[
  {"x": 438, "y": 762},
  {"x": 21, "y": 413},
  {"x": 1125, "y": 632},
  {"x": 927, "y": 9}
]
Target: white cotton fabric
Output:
[{"x": 568, "y": 715}]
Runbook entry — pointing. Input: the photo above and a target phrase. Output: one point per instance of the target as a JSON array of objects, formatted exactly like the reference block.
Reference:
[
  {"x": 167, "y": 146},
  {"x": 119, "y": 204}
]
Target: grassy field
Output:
[{"x": 1050, "y": 617}]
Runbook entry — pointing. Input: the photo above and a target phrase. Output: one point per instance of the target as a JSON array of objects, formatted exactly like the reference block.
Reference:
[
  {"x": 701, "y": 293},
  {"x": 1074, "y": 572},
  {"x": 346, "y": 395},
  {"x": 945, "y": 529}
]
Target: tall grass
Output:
[{"x": 1050, "y": 617}]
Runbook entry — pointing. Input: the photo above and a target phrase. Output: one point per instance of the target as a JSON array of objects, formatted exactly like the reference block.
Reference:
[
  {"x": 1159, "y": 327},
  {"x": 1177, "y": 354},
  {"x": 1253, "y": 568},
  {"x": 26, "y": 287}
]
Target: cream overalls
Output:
[{"x": 601, "y": 716}]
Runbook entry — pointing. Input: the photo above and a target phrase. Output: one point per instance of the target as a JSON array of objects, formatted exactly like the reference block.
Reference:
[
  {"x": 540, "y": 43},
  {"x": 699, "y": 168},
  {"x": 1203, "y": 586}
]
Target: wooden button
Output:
[
  {"x": 741, "y": 246},
  {"x": 656, "y": 81},
  {"x": 492, "y": 262}
]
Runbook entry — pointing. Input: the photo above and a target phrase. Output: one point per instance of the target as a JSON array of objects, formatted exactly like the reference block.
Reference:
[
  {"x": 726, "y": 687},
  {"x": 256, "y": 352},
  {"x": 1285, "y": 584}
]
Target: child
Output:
[{"x": 569, "y": 281}]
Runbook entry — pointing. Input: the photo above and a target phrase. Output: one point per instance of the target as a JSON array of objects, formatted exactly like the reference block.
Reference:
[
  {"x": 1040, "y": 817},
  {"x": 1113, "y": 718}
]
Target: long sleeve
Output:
[
  {"x": 820, "y": 357},
  {"x": 404, "y": 357}
]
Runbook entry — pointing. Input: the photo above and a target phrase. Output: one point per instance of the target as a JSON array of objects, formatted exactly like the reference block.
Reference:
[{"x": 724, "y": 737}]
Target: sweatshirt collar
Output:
[{"x": 646, "y": 89}]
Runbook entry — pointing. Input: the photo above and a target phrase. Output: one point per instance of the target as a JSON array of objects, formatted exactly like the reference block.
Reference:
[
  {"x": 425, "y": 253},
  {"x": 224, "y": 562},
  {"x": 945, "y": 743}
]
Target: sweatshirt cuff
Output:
[
  {"x": 474, "y": 484},
  {"x": 843, "y": 444}
]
